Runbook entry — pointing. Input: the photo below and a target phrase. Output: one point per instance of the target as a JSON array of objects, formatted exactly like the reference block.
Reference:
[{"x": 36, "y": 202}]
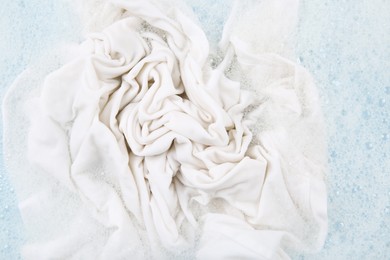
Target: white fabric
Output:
[{"x": 152, "y": 148}]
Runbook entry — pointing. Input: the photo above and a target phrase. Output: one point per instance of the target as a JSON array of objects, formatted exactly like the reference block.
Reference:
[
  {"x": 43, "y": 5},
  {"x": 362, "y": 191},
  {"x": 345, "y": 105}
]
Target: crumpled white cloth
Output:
[{"x": 161, "y": 155}]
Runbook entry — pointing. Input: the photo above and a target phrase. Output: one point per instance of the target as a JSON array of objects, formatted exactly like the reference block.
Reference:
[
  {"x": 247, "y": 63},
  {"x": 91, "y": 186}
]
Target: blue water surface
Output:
[{"x": 27, "y": 29}]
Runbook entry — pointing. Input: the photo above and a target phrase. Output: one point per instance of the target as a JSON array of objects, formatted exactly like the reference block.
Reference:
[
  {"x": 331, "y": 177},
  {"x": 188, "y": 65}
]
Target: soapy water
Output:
[{"x": 342, "y": 44}]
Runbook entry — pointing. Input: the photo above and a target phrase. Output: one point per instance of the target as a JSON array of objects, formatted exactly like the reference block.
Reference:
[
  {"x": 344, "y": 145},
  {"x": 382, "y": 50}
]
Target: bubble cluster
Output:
[
  {"x": 30, "y": 28},
  {"x": 342, "y": 43}
]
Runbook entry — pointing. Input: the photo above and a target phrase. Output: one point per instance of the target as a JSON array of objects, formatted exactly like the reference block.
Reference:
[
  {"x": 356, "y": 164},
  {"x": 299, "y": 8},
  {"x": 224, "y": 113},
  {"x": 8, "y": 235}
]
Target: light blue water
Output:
[
  {"x": 344, "y": 43},
  {"x": 27, "y": 28}
]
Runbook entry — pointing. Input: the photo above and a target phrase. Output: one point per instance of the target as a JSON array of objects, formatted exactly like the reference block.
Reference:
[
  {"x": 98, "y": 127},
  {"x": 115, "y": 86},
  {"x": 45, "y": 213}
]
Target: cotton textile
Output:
[{"x": 149, "y": 151}]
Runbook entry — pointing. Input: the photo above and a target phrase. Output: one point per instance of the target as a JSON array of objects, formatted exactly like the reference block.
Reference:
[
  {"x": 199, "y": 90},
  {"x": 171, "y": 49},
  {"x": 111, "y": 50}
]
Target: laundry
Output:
[{"x": 150, "y": 151}]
